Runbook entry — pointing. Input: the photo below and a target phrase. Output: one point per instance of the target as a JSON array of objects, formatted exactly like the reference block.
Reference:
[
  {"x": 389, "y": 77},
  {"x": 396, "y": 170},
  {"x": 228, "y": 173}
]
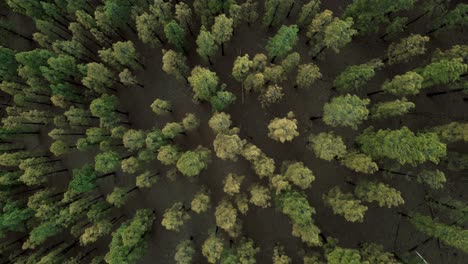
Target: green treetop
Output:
[
  {"x": 408, "y": 83},
  {"x": 227, "y": 147},
  {"x": 241, "y": 67},
  {"x": 307, "y": 12},
  {"x": 307, "y": 74},
  {"x": 371, "y": 14},
  {"x": 344, "y": 256},
  {"x": 107, "y": 162},
  {"x": 222, "y": 30},
  {"x": 192, "y": 162},
  {"x": 355, "y": 77},
  {"x": 212, "y": 248},
  {"x": 452, "y": 132},
  {"x": 220, "y": 122},
  {"x": 384, "y": 195},
  {"x": 450, "y": 235},
  {"x": 206, "y": 45},
  {"x": 283, "y": 129},
  {"x": 204, "y": 83},
  {"x": 283, "y": 42},
  {"x": 168, "y": 154},
  {"x": 276, "y": 11},
  {"x": 402, "y": 145},
  {"x": 346, "y": 110},
  {"x": 406, "y": 48},
  {"x": 175, "y": 34},
  {"x": 359, "y": 162},
  {"x": 443, "y": 72},
  {"x": 338, "y": 34},
  {"x": 327, "y": 146},
  {"x": 392, "y": 108},
  {"x": 175, "y": 63},
  {"x": 134, "y": 140},
  {"x": 185, "y": 252},
  {"x": 345, "y": 204},
  {"x": 299, "y": 175},
  {"x": 260, "y": 196},
  {"x": 161, "y": 107},
  {"x": 201, "y": 202},
  {"x": 175, "y": 217}
]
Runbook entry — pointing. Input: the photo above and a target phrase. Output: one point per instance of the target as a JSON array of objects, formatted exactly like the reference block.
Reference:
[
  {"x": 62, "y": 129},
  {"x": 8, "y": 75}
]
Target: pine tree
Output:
[
  {"x": 204, "y": 83},
  {"x": 175, "y": 217},
  {"x": 276, "y": 11},
  {"x": 355, "y": 77},
  {"x": 401, "y": 145},
  {"x": 283, "y": 129},
  {"x": 222, "y": 30},
  {"x": 299, "y": 175},
  {"x": 283, "y": 42},
  {"x": 212, "y": 248},
  {"x": 345, "y": 204},
  {"x": 409, "y": 83},
  {"x": 206, "y": 45},
  {"x": 175, "y": 35},
  {"x": 185, "y": 252},
  {"x": 227, "y": 147},
  {"x": 307, "y": 74},
  {"x": 348, "y": 110},
  {"x": 192, "y": 162},
  {"x": 359, "y": 162},
  {"x": 327, "y": 146},
  {"x": 260, "y": 196},
  {"x": 406, "y": 48},
  {"x": 391, "y": 109},
  {"x": 175, "y": 63},
  {"x": 384, "y": 195}
]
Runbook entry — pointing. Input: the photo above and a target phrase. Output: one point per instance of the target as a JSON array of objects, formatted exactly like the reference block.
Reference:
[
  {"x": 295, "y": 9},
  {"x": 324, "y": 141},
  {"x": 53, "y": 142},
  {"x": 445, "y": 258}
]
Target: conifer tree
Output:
[
  {"x": 384, "y": 195},
  {"x": 175, "y": 35},
  {"x": 185, "y": 252},
  {"x": 175, "y": 64},
  {"x": 391, "y": 109},
  {"x": 327, "y": 146},
  {"x": 406, "y": 48},
  {"x": 212, "y": 248},
  {"x": 204, "y": 83},
  {"x": 283, "y": 129},
  {"x": 175, "y": 217},
  {"x": 222, "y": 30},
  {"x": 355, "y": 77},
  {"x": 299, "y": 175},
  {"x": 348, "y": 110},
  {"x": 307, "y": 74},
  {"x": 206, "y": 45},
  {"x": 345, "y": 204},
  {"x": 192, "y": 162},
  {"x": 283, "y": 42}
]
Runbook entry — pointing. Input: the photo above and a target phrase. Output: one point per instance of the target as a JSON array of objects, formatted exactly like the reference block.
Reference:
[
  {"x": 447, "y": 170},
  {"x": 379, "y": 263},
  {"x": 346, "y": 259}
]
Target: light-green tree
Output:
[
  {"x": 222, "y": 30},
  {"x": 384, "y": 195},
  {"x": 204, "y": 83},
  {"x": 345, "y": 204},
  {"x": 346, "y": 110},
  {"x": 175, "y": 217},
  {"x": 307, "y": 74},
  {"x": 206, "y": 45},
  {"x": 283, "y": 129},
  {"x": 192, "y": 162},
  {"x": 283, "y": 42},
  {"x": 392, "y": 108},
  {"x": 299, "y": 175},
  {"x": 406, "y": 49},
  {"x": 327, "y": 146}
]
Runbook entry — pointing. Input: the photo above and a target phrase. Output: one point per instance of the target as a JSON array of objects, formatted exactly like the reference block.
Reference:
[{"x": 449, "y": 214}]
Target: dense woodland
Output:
[{"x": 233, "y": 131}]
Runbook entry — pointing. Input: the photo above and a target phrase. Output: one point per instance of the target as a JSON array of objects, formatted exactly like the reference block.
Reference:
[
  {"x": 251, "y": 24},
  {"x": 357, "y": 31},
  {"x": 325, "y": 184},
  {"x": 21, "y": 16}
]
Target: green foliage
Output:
[
  {"x": 443, "y": 72},
  {"x": 370, "y": 15},
  {"x": 338, "y": 34},
  {"x": 283, "y": 41},
  {"x": 448, "y": 234},
  {"x": 307, "y": 74},
  {"x": 206, "y": 44},
  {"x": 391, "y": 109},
  {"x": 175, "y": 217},
  {"x": 204, "y": 83},
  {"x": 260, "y": 196},
  {"x": 401, "y": 145},
  {"x": 355, "y": 77},
  {"x": 345, "y": 204},
  {"x": 241, "y": 67},
  {"x": 128, "y": 243},
  {"x": 346, "y": 110},
  {"x": 406, "y": 48},
  {"x": 221, "y": 100},
  {"x": 283, "y": 129},
  {"x": 452, "y": 132},
  {"x": 192, "y": 162},
  {"x": 185, "y": 252},
  {"x": 168, "y": 154},
  {"x": 134, "y": 140},
  {"x": 435, "y": 179},
  {"x": 299, "y": 175},
  {"x": 161, "y": 107},
  {"x": 200, "y": 202},
  {"x": 175, "y": 63},
  {"x": 222, "y": 29},
  {"x": 307, "y": 12},
  {"x": 212, "y": 248},
  {"x": 227, "y": 147},
  {"x": 107, "y": 162},
  {"x": 175, "y": 34},
  {"x": 344, "y": 256},
  {"x": 220, "y": 122},
  {"x": 359, "y": 162},
  {"x": 374, "y": 253},
  {"x": 83, "y": 179},
  {"x": 384, "y": 195},
  {"x": 327, "y": 146},
  {"x": 406, "y": 84},
  {"x": 276, "y": 11}
]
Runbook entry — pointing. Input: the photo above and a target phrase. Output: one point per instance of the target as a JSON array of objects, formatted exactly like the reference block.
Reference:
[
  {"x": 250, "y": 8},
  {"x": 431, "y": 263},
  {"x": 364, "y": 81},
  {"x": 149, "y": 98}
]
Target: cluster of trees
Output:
[{"x": 86, "y": 51}]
